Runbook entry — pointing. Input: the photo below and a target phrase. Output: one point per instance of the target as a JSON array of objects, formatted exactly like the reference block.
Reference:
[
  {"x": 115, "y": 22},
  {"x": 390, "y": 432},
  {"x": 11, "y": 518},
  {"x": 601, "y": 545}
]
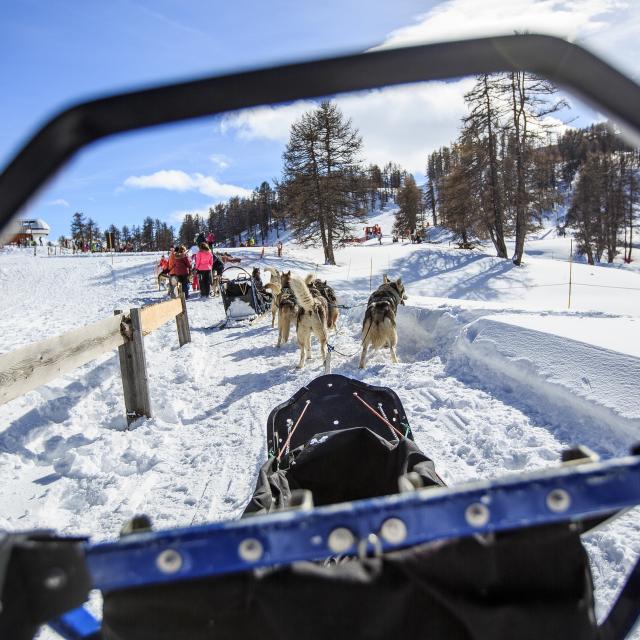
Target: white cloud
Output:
[
  {"x": 220, "y": 161},
  {"x": 401, "y": 124},
  {"x": 458, "y": 19},
  {"x": 60, "y": 202},
  {"x": 174, "y": 180},
  {"x": 269, "y": 123},
  {"x": 406, "y": 123}
]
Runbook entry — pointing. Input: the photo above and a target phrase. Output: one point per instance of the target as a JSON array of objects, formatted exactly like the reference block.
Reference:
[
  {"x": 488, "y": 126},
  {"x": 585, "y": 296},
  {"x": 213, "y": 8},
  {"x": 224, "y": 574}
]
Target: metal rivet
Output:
[
  {"x": 477, "y": 514},
  {"x": 558, "y": 500},
  {"x": 250, "y": 550},
  {"x": 340, "y": 540},
  {"x": 393, "y": 531},
  {"x": 56, "y": 579},
  {"x": 169, "y": 561}
]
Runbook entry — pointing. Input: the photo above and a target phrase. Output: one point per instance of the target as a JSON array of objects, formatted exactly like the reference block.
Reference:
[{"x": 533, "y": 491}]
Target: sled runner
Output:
[
  {"x": 240, "y": 296},
  {"x": 350, "y": 532}
]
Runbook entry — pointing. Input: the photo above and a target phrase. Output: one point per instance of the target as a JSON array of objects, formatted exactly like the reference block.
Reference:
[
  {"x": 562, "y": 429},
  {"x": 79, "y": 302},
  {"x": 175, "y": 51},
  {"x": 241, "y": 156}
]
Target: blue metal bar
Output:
[
  {"x": 571, "y": 492},
  {"x": 77, "y": 624}
]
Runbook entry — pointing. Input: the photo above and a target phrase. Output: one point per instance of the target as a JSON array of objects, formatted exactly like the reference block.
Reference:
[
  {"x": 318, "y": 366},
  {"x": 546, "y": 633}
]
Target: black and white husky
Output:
[{"x": 379, "y": 325}]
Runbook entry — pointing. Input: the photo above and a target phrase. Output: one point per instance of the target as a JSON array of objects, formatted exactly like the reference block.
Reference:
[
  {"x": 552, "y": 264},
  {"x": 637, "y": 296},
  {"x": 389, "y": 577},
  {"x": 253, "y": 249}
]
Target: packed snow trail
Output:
[{"x": 68, "y": 463}]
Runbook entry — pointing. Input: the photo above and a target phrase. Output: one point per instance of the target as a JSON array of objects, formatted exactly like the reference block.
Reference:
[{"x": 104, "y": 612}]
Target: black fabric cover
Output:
[
  {"x": 332, "y": 406},
  {"x": 532, "y": 585},
  {"x": 340, "y": 466},
  {"x": 27, "y": 561}
]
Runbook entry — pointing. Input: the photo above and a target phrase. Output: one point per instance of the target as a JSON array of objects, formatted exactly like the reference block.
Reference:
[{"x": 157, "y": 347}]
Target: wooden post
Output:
[
  {"x": 182, "y": 322},
  {"x": 133, "y": 367}
]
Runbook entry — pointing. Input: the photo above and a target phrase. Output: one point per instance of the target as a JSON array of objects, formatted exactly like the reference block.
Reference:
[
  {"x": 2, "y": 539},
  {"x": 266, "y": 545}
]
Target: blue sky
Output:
[{"x": 53, "y": 53}]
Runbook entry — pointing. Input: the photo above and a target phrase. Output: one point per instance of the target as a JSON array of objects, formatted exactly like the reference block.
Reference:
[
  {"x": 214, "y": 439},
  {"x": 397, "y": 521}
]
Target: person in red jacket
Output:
[
  {"x": 203, "y": 264},
  {"x": 182, "y": 268}
]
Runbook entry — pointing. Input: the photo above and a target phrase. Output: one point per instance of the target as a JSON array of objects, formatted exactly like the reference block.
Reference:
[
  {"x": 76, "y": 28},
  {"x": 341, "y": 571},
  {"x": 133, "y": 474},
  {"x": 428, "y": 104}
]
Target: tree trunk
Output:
[{"x": 498, "y": 241}]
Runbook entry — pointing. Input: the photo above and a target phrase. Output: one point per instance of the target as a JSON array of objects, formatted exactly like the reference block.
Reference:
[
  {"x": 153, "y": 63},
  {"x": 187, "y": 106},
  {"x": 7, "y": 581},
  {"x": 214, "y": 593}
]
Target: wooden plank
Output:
[
  {"x": 156, "y": 315},
  {"x": 27, "y": 368},
  {"x": 133, "y": 367},
  {"x": 182, "y": 323}
]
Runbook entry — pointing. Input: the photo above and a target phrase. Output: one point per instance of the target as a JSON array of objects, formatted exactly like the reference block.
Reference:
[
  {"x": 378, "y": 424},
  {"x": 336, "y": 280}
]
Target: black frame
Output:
[{"x": 564, "y": 63}]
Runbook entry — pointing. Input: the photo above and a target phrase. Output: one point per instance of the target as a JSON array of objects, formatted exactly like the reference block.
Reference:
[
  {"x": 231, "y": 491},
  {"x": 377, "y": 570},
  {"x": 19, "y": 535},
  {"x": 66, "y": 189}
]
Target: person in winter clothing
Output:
[
  {"x": 182, "y": 268},
  {"x": 200, "y": 239},
  {"x": 203, "y": 264},
  {"x": 279, "y": 248},
  {"x": 211, "y": 239}
]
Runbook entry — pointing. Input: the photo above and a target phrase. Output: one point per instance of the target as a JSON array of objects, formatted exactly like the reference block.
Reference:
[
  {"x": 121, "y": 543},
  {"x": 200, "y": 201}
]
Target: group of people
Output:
[{"x": 199, "y": 265}]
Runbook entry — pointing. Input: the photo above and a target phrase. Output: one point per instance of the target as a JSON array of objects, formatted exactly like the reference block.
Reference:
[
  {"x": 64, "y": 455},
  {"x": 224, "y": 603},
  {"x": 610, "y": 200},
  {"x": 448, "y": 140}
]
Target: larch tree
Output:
[{"x": 323, "y": 181}]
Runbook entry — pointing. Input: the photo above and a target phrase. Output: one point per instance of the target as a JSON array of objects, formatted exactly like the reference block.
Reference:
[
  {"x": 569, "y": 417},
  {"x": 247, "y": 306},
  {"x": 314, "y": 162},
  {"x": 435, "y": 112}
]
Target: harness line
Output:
[
  {"x": 375, "y": 413},
  {"x": 295, "y": 426}
]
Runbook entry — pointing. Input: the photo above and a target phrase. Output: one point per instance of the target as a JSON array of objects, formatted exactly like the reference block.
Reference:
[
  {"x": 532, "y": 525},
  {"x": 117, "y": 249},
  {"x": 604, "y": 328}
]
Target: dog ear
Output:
[
  {"x": 399, "y": 282},
  {"x": 309, "y": 279},
  {"x": 385, "y": 279}
]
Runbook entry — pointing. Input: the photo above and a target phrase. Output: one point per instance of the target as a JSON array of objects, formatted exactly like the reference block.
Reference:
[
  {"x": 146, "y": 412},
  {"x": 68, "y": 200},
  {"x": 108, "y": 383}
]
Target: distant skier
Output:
[{"x": 203, "y": 265}]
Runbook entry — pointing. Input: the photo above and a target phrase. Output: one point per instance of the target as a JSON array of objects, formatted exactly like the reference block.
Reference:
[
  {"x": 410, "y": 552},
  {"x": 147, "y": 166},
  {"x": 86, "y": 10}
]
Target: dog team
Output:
[{"x": 311, "y": 305}]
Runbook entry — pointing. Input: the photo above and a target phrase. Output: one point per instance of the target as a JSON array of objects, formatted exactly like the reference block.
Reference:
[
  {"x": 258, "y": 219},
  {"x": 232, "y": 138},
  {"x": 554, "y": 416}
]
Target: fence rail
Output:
[{"x": 30, "y": 367}]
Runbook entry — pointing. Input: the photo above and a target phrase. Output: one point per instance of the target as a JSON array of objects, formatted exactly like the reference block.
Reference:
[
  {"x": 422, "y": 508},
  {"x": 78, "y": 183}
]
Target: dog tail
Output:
[
  {"x": 274, "y": 286},
  {"x": 273, "y": 271},
  {"x": 302, "y": 293}
]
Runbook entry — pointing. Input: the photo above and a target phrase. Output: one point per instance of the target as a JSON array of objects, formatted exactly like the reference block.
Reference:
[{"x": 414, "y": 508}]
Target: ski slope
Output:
[{"x": 497, "y": 376}]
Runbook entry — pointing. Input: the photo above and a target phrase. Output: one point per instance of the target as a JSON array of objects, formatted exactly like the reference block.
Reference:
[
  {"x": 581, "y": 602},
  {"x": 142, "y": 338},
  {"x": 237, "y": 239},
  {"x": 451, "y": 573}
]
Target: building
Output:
[{"x": 29, "y": 230}]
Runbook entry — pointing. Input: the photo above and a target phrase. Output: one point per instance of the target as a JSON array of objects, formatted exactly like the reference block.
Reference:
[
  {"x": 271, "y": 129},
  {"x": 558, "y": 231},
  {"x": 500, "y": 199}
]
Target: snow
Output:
[{"x": 497, "y": 376}]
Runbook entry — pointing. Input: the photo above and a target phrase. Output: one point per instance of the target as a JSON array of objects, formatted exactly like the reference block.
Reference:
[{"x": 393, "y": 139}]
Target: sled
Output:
[
  {"x": 242, "y": 301},
  {"x": 350, "y": 532}
]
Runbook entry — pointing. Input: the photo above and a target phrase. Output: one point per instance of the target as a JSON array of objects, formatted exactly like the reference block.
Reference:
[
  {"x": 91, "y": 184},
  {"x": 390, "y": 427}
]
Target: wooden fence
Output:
[{"x": 26, "y": 369}]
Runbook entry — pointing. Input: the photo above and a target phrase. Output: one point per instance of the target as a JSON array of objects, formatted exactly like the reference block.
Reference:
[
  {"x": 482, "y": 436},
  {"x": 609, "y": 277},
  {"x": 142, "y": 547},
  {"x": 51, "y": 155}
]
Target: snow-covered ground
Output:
[{"x": 497, "y": 376}]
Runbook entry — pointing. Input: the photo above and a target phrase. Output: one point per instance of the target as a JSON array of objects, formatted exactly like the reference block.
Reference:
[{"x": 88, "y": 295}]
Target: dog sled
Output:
[
  {"x": 242, "y": 300},
  {"x": 350, "y": 532}
]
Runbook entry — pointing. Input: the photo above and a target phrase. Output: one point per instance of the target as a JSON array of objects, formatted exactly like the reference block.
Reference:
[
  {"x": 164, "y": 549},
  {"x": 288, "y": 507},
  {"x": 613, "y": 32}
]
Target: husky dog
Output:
[
  {"x": 379, "y": 326},
  {"x": 175, "y": 288},
  {"x": 312, "y": 317},
  {"x": 287, "y": 308},
  {"x": 329, "y": 295},
  {"x": 163, "y": 281},
  {"x": 275, "y": 285}
]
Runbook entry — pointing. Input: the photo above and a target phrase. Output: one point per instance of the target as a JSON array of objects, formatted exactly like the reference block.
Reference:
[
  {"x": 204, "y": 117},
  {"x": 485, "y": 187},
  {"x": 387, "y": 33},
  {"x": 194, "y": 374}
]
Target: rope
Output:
[
  {"x": 295, "y": 426},
  {"x": 375, "y": 413}
]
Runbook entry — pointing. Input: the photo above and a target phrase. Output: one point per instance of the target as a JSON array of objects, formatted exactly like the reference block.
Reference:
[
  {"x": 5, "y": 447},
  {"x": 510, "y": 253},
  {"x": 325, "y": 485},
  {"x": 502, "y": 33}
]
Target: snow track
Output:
[{"x": 67, "y": 461}]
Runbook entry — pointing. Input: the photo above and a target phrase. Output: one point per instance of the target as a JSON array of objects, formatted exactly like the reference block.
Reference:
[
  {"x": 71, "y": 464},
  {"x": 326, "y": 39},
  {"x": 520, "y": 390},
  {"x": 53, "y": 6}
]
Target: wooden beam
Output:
[
  {"x": 27, "y": 368},
  {"x": 155, "y": 315}
]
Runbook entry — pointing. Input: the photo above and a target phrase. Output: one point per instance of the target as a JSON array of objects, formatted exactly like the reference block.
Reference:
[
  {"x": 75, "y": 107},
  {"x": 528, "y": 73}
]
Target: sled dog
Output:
[
  {"x": 329, "y": 295},
  {"x": 163, "y": 281},
  {"x": 311, "y": 319},
  {"x": 275, "y": 285},
  {"x": 379, "y": 325},
  {"x": 175, "y": 288},
  {"x": 287, "y": 308}
]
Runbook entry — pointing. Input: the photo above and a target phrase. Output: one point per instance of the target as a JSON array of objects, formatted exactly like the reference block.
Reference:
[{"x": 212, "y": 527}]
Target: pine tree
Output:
[
  {"x": 483, "y": 122},
  {"x": 409, "y": 201},
  {"x": 323, "y": 181},
  {"x": 78, "y": 227}
]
